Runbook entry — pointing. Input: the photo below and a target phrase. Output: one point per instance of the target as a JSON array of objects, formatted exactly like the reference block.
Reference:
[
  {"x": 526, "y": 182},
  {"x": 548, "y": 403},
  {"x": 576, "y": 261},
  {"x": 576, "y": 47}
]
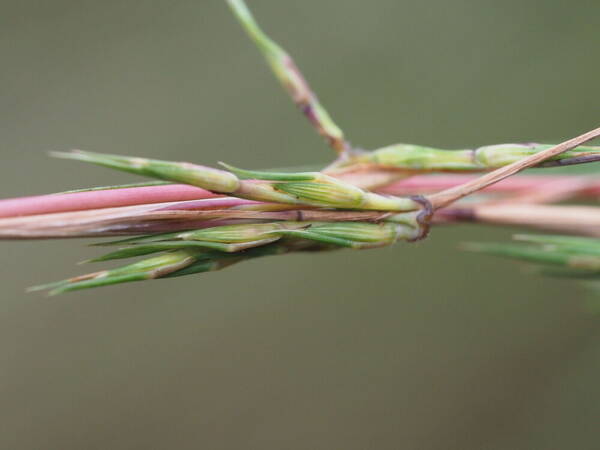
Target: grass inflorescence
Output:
[{"x": 193, "y": 218}]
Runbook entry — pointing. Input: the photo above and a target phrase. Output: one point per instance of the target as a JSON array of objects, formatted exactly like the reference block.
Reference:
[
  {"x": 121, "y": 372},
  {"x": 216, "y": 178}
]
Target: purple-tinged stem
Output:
[{"x": 109, "y": 198}]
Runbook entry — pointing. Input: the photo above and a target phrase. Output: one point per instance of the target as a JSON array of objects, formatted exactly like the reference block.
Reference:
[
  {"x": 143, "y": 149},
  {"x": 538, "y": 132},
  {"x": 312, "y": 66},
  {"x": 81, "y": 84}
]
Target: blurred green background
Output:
[{"x": 417, "y": 346}]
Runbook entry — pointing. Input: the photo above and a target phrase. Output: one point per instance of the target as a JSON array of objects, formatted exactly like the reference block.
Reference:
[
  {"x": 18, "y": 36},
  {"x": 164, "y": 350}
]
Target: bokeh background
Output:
[{"x": 417, "y": 346}]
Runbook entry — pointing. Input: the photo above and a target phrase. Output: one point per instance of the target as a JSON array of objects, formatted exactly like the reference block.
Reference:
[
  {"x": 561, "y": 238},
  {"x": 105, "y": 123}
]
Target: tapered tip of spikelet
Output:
[
  {"x": 127, "y": 163},
  {"x": 180, "y": 172},
  {"x": 39, "y": 287},
  {"x": 51, "y": 288},
  {"x": 72, "y": 154},
  {"x": 82, "y": 155}
]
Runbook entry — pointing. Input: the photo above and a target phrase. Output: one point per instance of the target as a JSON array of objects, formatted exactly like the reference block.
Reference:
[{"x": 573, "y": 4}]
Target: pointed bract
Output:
[{"x": 181, "y": 172}]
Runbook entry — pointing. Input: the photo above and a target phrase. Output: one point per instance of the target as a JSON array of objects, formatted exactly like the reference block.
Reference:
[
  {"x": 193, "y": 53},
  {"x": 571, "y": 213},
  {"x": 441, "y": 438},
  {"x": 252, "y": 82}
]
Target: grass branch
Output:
[{"x": 448, "y": 196}]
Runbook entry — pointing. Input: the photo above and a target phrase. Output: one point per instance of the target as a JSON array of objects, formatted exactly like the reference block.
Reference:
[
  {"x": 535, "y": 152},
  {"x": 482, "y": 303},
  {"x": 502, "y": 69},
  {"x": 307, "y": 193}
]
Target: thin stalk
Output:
[
  {"x": 582, "y": 220},
  {"x": 587, "y": 186},
  {"x": 291, "y": 78}
]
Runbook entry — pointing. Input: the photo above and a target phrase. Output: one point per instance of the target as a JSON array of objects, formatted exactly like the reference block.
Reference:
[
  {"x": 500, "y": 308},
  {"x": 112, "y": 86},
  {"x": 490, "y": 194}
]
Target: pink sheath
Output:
[{"x": 109, "y": 198}]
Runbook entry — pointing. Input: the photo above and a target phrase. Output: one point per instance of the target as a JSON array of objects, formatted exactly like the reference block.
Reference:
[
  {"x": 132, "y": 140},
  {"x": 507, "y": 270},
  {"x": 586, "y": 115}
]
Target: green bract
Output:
[{"x": 421, "y": 158}]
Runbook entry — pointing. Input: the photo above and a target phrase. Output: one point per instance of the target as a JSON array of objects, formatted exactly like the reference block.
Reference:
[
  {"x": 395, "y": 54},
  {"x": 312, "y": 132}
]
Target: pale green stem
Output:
[
  {"x": 418, "y": 158},
  {"x": 292, "y": 79}
]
